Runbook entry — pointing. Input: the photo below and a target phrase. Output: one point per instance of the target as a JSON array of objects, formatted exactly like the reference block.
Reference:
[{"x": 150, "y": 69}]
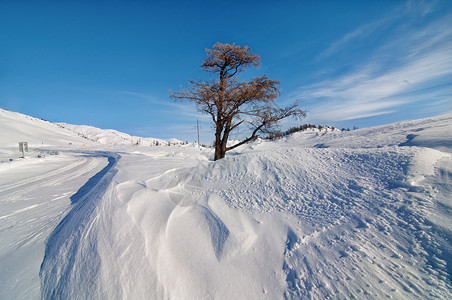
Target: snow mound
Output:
[
  {"x": 364, "y": 217},
  {"x": 360, "y": 214}
]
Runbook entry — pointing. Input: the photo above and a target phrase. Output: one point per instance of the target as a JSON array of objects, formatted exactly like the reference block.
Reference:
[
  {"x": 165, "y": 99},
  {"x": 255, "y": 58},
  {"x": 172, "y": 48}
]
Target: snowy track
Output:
[
  {"x": 34, "y": 197},
  {"x": 71, "y": 239}
]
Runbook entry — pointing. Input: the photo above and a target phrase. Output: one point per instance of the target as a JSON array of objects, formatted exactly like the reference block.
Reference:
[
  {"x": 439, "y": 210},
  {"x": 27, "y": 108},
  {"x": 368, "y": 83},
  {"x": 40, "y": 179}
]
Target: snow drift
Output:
[{"x": 361, "y": 214}]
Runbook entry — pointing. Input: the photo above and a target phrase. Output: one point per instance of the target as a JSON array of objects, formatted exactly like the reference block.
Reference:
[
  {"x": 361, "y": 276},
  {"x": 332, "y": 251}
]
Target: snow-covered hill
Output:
[
  {"x": 16, "y": 127},
  {"x": 360, "y": 214},
  {"x": 41, "y": 134},
  {"x": 114, "y": 137}
]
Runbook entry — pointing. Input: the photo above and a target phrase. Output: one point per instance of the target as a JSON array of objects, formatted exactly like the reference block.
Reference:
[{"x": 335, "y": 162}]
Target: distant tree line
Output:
[
  {"x": 164, "y": 143},
  {"x": 304, "y": 127}
]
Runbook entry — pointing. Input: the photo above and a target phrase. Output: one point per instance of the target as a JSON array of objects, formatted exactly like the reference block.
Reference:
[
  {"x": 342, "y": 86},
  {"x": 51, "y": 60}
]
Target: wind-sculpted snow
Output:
[
  {"x": 338, "y": 215},
  {"x": 34, "y": 197},
  {"x": 366, "y": 224},
  {"x": 159, "y": 241},
  {"x": 287, "y": 223},
  {"x": 82, "y": 193},
  {"x": 71, "y": 262}
]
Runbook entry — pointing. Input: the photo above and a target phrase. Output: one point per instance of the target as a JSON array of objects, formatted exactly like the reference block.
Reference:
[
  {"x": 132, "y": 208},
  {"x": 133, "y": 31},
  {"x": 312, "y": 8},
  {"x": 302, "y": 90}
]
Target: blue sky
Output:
[{"x": 110, "y": 64}]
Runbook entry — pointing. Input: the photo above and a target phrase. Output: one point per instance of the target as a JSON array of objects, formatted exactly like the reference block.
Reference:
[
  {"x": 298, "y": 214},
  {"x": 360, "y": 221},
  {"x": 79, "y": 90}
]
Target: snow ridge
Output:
[{"x": 71, "y": 253}]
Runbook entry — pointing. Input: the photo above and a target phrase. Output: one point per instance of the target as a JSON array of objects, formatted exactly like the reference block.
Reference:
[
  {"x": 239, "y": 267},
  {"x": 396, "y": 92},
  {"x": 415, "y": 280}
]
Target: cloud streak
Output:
[
  {"x": 411, "y": 9},
  {"x": 358, "y": 33},
  {"x": 414, "y": 65}
]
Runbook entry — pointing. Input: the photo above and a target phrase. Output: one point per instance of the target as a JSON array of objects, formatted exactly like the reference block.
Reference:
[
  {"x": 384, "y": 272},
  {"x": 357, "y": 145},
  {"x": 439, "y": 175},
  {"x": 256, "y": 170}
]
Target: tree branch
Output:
[
  {"x": 251, "y": 138},
  {"x": 236, "y": 125}
]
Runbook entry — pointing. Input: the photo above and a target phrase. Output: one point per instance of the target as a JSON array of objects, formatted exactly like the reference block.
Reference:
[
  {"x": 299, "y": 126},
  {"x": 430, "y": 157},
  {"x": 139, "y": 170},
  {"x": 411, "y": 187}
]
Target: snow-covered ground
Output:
[{"x": 341, "y": 215}]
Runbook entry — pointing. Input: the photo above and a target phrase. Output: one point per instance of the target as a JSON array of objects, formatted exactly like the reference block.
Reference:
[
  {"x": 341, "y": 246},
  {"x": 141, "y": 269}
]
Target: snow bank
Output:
[{"x": 360, "y": 214}]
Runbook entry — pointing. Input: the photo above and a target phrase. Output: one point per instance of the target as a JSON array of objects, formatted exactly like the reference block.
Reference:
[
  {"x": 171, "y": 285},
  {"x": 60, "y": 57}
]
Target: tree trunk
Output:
[
  {"x": 218, "y": 148},
  {"x": 219, "y": 153},
  {"x": 222, "y": 144}
]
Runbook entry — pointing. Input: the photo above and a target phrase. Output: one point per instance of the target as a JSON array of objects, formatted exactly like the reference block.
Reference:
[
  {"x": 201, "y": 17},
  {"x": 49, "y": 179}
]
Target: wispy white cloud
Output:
[
  {"x": 412, "y": 66},
  {"x": 358, "y": 33},
  {"x": 409, "y": 9}
]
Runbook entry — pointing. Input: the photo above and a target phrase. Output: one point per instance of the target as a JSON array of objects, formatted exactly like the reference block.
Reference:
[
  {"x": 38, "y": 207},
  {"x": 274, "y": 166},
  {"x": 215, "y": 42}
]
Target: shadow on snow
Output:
[{"x": 71, "y": 244}]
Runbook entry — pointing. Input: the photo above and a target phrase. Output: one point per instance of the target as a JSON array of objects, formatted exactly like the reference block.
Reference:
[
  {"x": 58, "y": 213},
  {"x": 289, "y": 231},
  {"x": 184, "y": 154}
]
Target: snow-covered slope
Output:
[
  {"x": 41, "y": 135},
  {"x": 16, "y": 127},
  {"x": 114, "y": 137},
  {"x": 431, "y": 132},
  {"x": 361, "y": 214}
]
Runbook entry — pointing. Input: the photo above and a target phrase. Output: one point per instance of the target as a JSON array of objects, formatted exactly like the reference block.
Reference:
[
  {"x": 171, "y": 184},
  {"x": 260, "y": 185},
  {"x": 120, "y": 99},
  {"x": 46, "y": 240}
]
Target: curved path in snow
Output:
[
  {"x": 68, "y": 241},
  {"x": 34, "y": 198}
]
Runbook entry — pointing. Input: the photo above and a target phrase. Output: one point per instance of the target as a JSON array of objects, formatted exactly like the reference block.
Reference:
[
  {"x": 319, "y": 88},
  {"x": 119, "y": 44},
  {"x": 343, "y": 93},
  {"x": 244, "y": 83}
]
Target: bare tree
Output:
[{"x": 231, "y": 103}]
